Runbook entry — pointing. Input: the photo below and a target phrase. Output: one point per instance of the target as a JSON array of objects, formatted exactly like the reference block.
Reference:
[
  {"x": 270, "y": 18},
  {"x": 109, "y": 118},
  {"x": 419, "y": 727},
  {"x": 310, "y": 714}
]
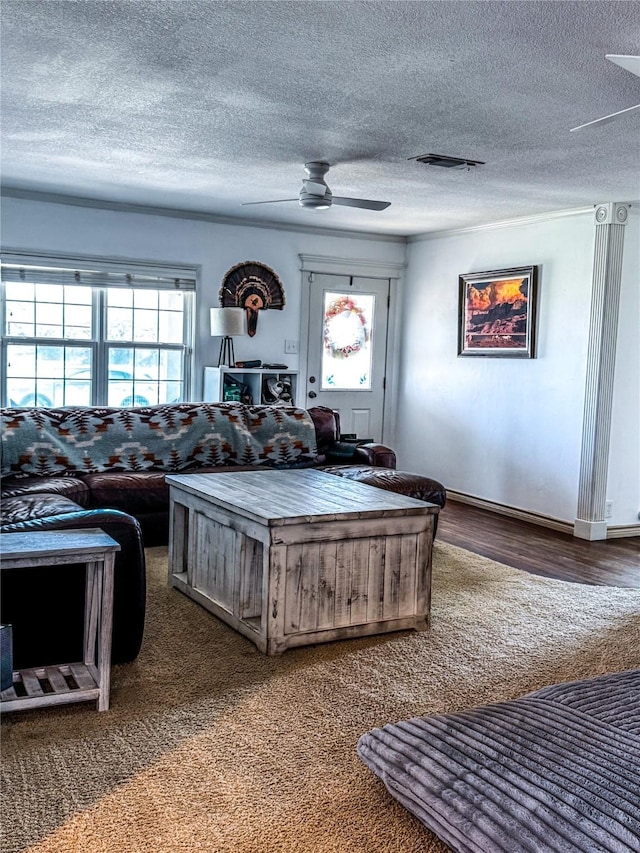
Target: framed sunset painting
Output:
[{"x": 497, "y": 313}]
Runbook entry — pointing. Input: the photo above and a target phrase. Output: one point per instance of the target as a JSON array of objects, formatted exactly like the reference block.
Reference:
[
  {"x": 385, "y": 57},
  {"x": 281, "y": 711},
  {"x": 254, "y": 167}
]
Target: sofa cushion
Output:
[
  {"x": 140, "y": 492},
  {"x": 39, "y": 505},
  {"x": 70, "y": 487},
  {"x": 130, "y": 491},
  {"x": 400, "y": 482},
  {"x": 169, "y": 438}
]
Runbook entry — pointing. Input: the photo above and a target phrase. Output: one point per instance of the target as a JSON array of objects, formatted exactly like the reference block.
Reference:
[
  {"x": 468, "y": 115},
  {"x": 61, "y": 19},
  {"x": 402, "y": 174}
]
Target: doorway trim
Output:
[{"x": 393, "y": 271}]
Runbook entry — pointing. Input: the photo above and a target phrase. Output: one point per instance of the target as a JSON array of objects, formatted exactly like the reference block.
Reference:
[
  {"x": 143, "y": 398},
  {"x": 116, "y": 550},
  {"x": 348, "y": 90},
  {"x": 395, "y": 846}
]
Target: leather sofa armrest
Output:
[{"x": 375, "y": 454}]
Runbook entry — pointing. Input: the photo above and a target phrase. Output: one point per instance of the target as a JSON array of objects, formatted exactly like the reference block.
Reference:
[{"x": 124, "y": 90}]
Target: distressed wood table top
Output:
[
  {"x": 54, "y": 546},
  {"x": 291, "y": 496}
]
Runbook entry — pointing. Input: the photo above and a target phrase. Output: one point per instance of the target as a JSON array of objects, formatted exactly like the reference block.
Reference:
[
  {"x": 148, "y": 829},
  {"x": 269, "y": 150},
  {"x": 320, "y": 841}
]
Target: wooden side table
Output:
[{"x": 67, "y": 682}]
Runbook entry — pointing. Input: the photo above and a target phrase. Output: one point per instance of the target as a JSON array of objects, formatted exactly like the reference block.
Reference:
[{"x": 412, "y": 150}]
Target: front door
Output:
[{"x": 347, "y": 350}]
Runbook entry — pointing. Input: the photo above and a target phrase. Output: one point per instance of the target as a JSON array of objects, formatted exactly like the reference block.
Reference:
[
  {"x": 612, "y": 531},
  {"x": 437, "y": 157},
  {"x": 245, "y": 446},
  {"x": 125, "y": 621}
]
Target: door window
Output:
[{"x": 347, "y": 341}]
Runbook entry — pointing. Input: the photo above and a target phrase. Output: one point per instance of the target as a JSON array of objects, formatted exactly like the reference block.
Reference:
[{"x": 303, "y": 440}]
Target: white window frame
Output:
[{"x": 100, "y": 274}]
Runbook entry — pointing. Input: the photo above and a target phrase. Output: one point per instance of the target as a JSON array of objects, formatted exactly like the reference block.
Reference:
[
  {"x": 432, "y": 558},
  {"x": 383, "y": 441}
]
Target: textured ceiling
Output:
[{"x": 200, "y": 106}]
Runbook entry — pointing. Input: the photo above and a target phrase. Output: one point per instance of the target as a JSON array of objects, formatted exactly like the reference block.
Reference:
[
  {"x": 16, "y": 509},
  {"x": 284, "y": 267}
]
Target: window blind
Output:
[{"x": 64, "y": 271}]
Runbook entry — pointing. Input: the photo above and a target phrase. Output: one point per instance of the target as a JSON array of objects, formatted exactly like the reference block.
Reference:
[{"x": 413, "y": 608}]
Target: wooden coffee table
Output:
[{"x": 290, "y": 558}]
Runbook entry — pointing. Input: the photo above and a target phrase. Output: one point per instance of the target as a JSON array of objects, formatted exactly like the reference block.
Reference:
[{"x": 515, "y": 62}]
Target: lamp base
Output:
[{"x": 226, "y": 356}]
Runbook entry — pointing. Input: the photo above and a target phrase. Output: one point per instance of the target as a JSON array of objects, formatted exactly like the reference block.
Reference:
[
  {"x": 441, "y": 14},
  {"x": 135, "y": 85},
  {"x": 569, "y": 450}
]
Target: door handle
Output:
[{"x": 312, "y": 394}]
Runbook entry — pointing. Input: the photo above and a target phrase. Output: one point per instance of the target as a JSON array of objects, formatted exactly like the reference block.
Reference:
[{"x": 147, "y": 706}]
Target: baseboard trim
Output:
[
  {"x": 620, "y": 531},
  {"x": 591, "y": 531},
  {"x": 617, "y": 532},
  {"x": 512, "y": 512}
]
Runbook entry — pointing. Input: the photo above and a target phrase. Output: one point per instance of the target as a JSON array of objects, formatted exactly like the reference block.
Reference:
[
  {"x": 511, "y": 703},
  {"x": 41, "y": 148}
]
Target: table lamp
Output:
[{"x": 226, "y": 322}]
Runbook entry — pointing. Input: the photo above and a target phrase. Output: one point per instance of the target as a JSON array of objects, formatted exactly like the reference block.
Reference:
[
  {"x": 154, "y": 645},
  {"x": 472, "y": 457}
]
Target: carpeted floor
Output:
[{"x": 210, "y": 746}]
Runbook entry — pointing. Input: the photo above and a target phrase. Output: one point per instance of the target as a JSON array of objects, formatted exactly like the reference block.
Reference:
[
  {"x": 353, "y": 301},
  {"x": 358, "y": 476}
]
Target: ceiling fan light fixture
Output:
[{"x": 315, "y": 201}]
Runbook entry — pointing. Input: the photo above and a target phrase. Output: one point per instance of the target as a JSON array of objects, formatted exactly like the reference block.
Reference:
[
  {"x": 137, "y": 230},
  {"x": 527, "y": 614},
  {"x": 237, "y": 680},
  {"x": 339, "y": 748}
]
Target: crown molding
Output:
[
  {"x": 201, "y": 216},
  {"x": 176, "y": 213},
  {"x": 505, "y": 223}
]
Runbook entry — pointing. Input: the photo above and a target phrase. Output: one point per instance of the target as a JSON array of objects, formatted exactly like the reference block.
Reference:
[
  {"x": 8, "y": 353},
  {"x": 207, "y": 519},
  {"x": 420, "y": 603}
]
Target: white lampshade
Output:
[{"x": 227, "y": 321}]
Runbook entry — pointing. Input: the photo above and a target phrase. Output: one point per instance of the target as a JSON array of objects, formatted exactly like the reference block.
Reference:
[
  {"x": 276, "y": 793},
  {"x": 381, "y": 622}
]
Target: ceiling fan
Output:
[
  {"x": 629, "y": 63},
  {"x": 315, "y": 192}
]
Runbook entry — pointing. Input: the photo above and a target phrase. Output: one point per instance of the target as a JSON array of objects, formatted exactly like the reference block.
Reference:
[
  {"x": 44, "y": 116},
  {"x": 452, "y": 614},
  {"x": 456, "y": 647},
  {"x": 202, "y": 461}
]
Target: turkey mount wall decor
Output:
[{"x": 254, "y": 287}]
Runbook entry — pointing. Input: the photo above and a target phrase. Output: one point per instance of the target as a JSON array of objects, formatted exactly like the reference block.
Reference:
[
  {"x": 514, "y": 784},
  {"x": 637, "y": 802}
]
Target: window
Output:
[
  {"x": 81, "y": 337},
  {"x": 347, "y": 341}
]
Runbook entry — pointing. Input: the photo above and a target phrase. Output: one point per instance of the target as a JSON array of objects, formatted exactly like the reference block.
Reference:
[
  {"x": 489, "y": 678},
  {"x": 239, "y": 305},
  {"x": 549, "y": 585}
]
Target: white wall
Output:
[
  {"x": 505, "y": 430},
  {"x": 510, "y": 430},
  {"x": 45, "y": 226},
  {"x": 623, "y": 483}
]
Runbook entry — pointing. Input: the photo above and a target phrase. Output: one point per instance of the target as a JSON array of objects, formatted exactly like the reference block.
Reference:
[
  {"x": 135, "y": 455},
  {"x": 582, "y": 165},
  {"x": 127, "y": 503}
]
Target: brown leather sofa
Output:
[{"x": 132, "y": 506}]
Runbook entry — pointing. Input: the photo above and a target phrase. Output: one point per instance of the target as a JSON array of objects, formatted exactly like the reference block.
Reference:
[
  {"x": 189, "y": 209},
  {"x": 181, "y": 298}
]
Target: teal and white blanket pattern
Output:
[{"x": 173, "y": 437}]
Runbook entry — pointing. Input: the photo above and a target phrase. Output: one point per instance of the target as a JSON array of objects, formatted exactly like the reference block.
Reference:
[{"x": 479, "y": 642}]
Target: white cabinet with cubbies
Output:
[{"x": 250, "y": 385}]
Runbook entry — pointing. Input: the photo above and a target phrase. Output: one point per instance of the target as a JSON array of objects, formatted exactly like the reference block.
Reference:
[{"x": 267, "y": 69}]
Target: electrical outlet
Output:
[
  {"x": 608, "y": 509},
  {"x": 291, "y": 347}
]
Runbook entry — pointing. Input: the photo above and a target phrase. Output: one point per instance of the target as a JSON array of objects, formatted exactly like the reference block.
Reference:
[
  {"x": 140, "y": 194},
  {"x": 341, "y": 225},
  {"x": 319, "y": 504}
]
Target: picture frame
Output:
[{"x": 497, "y": 313}]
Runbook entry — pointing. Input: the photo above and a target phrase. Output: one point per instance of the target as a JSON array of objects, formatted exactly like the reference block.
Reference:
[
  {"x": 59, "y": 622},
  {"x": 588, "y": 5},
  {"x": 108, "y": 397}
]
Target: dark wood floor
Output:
[{"x": 613, "y": 562}]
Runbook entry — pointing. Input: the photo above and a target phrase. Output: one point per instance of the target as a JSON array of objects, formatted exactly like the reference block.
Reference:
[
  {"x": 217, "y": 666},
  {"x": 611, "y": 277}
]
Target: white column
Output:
[{"x": 610, "y": 219}]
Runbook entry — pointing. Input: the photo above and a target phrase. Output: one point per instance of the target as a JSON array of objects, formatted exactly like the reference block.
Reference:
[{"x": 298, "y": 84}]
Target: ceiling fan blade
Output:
[
  {"x": 364, "y": 203},
  {"x": 314, "y": 188},
  {"x": 629, "y": 63},
  {"x": 604, "y": 119},
  {"x": 271, "y": 201}
]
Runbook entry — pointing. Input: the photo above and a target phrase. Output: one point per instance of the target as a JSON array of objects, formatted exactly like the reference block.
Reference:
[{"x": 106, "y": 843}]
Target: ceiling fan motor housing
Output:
[{"x": 315, "y": 193}]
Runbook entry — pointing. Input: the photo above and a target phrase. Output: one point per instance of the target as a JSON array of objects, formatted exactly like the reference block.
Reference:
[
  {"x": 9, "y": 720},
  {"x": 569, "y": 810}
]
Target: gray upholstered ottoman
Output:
[{"x": 556, "y": 771}]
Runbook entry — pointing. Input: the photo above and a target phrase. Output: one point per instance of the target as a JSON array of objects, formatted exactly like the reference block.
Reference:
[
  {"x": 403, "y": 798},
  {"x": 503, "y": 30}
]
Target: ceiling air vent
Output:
[{"x": 447, "y": 162}]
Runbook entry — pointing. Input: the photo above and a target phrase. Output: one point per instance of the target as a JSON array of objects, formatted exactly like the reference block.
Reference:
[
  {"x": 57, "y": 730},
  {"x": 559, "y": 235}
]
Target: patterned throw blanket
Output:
[
  {"x": 173, "y": 437},
  {"x": 557, "y": 771}
]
